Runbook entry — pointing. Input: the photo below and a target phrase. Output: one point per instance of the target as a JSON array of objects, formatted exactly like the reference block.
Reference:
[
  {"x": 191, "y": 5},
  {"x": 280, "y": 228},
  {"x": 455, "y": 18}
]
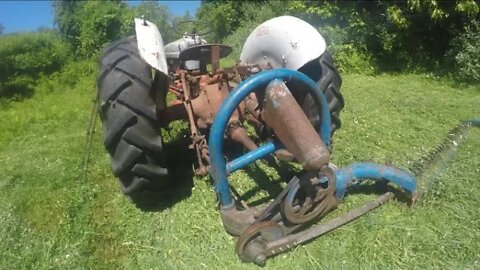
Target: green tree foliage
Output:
[
  {"x": 89, "y": 25},
  {"x": 27, "y": 57},
  {"x": 186, "y": 24},
  {"x": 466, "y": 54},
  {"x": 253, "y": 15},
  {"x": 223, "y": 16},
  {"x": 389, "y": 35},
  {"x": 399, "y": 34},
  {"x": 160, "y": 16}
]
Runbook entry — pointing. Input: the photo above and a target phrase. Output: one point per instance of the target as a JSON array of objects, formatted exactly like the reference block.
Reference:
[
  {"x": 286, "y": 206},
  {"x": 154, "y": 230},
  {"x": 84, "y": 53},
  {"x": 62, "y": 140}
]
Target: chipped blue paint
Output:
[{"x": 365, "y": 170}]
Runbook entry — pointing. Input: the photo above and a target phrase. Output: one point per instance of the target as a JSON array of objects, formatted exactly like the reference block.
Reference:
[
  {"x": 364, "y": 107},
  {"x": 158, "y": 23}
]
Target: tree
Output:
[
  {"x": 159, "y": 15},
  {"x": 66, "y": 13},
  {"x": 393, "y": 34},
  {"x": 404, "y": 32},
  {"x": 224, "y": 16},
  {"x": 89, "y": 25}
]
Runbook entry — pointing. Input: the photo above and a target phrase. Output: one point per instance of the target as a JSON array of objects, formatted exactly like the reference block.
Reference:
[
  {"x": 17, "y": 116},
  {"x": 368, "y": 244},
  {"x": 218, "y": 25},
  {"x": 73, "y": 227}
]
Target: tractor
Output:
[{"x": 285, "y": 87}]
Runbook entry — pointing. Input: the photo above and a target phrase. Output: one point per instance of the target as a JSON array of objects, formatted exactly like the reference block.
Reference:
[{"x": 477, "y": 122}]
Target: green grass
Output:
[{"x": 53, "y": 217}]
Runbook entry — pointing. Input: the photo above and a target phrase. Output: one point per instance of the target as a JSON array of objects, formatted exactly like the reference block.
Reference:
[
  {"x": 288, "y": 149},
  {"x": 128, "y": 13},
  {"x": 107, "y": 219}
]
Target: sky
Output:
[{"x": 20, "y": 16}]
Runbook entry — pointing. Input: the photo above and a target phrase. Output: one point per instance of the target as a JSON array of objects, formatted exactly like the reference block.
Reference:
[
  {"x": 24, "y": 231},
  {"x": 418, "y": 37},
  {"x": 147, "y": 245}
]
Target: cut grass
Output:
[{"x": 55, "y": 218}]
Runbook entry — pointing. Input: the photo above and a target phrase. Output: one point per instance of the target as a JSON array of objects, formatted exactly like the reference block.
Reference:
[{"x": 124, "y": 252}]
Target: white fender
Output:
[
  {"x": 150, "y": 45},
  {"x": 284, "y": 42}
]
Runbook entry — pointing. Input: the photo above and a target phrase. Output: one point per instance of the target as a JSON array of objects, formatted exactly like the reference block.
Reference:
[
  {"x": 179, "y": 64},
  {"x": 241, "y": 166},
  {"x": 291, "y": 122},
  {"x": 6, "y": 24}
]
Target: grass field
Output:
[{"x": 53, "y": 216}]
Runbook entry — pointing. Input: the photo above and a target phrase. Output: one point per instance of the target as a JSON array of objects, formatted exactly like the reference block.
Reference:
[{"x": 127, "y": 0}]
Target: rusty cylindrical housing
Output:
[{"x": 282, "y": 113}]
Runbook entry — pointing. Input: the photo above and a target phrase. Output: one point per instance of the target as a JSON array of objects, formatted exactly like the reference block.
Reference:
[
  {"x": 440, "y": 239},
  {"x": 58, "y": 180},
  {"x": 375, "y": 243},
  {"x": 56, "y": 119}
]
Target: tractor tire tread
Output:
[
  {"x": 323, "y": 71},
  {"x": 128, "y": 113}
]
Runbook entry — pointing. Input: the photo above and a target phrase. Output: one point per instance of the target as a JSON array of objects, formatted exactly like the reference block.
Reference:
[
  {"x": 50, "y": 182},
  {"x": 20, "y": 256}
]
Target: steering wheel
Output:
[{"x": 192, "y": 28}]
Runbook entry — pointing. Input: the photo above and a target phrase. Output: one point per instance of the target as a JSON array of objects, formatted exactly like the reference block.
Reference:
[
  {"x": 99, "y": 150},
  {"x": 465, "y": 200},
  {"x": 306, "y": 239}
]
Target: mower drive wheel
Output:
[
  {"x": 323, "y": 71},
  {"x": 127, "y": 93}
]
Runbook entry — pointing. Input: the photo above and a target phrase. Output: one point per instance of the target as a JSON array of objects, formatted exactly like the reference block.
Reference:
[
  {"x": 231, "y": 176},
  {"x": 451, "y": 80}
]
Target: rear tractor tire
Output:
[
  {"x": 323, "y": 71},
  {"x": 128, "y": 92}
]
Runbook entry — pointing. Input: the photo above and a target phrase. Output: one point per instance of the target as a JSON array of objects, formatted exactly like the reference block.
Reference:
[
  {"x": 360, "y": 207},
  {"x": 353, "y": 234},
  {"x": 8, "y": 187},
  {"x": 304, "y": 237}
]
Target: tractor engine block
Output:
[{"x": 198, "y": 97}]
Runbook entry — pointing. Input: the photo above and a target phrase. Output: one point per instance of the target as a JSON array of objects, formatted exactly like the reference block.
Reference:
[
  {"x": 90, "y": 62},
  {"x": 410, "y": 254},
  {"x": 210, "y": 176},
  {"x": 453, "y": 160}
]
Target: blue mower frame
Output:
[
  {"x": 268, "y": 233},
  {"x": 220, "y": 169}
]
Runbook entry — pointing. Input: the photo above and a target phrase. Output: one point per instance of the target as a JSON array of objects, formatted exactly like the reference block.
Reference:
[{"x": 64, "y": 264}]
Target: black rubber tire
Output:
[
  {"x": 128, "y": 113},
  {"x": 323, "y": 71}
]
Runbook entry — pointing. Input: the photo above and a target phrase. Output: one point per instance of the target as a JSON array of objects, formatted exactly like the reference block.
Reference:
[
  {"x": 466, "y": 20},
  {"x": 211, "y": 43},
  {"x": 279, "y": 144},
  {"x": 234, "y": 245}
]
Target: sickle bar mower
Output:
[{"x": 280, "y": 225}]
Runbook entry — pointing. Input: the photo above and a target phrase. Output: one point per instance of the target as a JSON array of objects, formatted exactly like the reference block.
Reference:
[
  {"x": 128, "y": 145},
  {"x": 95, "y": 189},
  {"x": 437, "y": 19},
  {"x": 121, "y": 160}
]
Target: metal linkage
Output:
[
  {"x": 258, "y": 82},
  {"x": 198, "y": 140},
  {"x": 271, "y": 233},
  {"x": 305, "y": 199},
  {"x": 310, "y": 197},
  {"x": 267, "y": 239}
]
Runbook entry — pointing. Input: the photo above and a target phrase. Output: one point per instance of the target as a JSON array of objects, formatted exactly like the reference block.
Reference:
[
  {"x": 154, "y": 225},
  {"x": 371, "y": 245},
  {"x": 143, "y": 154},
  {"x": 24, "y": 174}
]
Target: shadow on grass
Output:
[
  {"x": 371, "y": 187},
  {"x": 178, "y": 189},
  {"x": 264, "y": 182},
  {"x": 180, "y": 162},
  {"x": 15, "y": 92}
]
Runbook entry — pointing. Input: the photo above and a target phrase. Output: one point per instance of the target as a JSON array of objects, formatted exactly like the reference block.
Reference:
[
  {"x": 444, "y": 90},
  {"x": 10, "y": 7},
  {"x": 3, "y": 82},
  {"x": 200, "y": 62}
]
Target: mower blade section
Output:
[
  {"x": 435, "y": 162},
  {"x": 288, "y": 242}
]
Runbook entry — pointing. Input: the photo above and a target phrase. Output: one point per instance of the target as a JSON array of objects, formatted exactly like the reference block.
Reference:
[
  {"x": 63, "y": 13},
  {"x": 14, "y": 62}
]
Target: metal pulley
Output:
[{"x": 311, "y": 197}]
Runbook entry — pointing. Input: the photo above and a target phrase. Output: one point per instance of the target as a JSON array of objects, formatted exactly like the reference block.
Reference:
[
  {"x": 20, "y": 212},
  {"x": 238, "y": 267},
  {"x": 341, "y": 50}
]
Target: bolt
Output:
[{"x": 260, "y": 259}]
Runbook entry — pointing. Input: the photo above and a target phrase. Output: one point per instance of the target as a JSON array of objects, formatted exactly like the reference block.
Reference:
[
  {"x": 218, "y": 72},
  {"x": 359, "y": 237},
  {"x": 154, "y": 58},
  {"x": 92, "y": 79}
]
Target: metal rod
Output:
[
  {"x": 188, "y": 105},
  {"x": 215, "y": 58},
  {"x": 193, "y": 127},
  {"x": 252, "y": 156},
  {"x": 240, "y": 135}
]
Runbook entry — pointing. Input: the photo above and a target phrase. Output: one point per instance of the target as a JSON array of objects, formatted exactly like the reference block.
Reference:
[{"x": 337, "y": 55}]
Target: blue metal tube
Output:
[
  {"x": 219, "y": 169},
  {"x": 252, "y": 156},
  {"x": 365, "y": 170},
  {"x": 474, "y": 122}
]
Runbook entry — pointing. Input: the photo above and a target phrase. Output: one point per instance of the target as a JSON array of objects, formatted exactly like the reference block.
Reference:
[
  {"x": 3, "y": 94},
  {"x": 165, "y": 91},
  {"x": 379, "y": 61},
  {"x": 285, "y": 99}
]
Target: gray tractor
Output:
[{"x": 136, "y": 74}]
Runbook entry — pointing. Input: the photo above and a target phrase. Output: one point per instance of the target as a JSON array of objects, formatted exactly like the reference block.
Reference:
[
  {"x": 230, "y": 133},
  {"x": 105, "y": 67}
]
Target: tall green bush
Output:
[
  {"x": 465, "y": 52},
  {"x": 26, "y": 57},
  {"x": 223, "y": 16},
  {"x": 88, "y": 25}
]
